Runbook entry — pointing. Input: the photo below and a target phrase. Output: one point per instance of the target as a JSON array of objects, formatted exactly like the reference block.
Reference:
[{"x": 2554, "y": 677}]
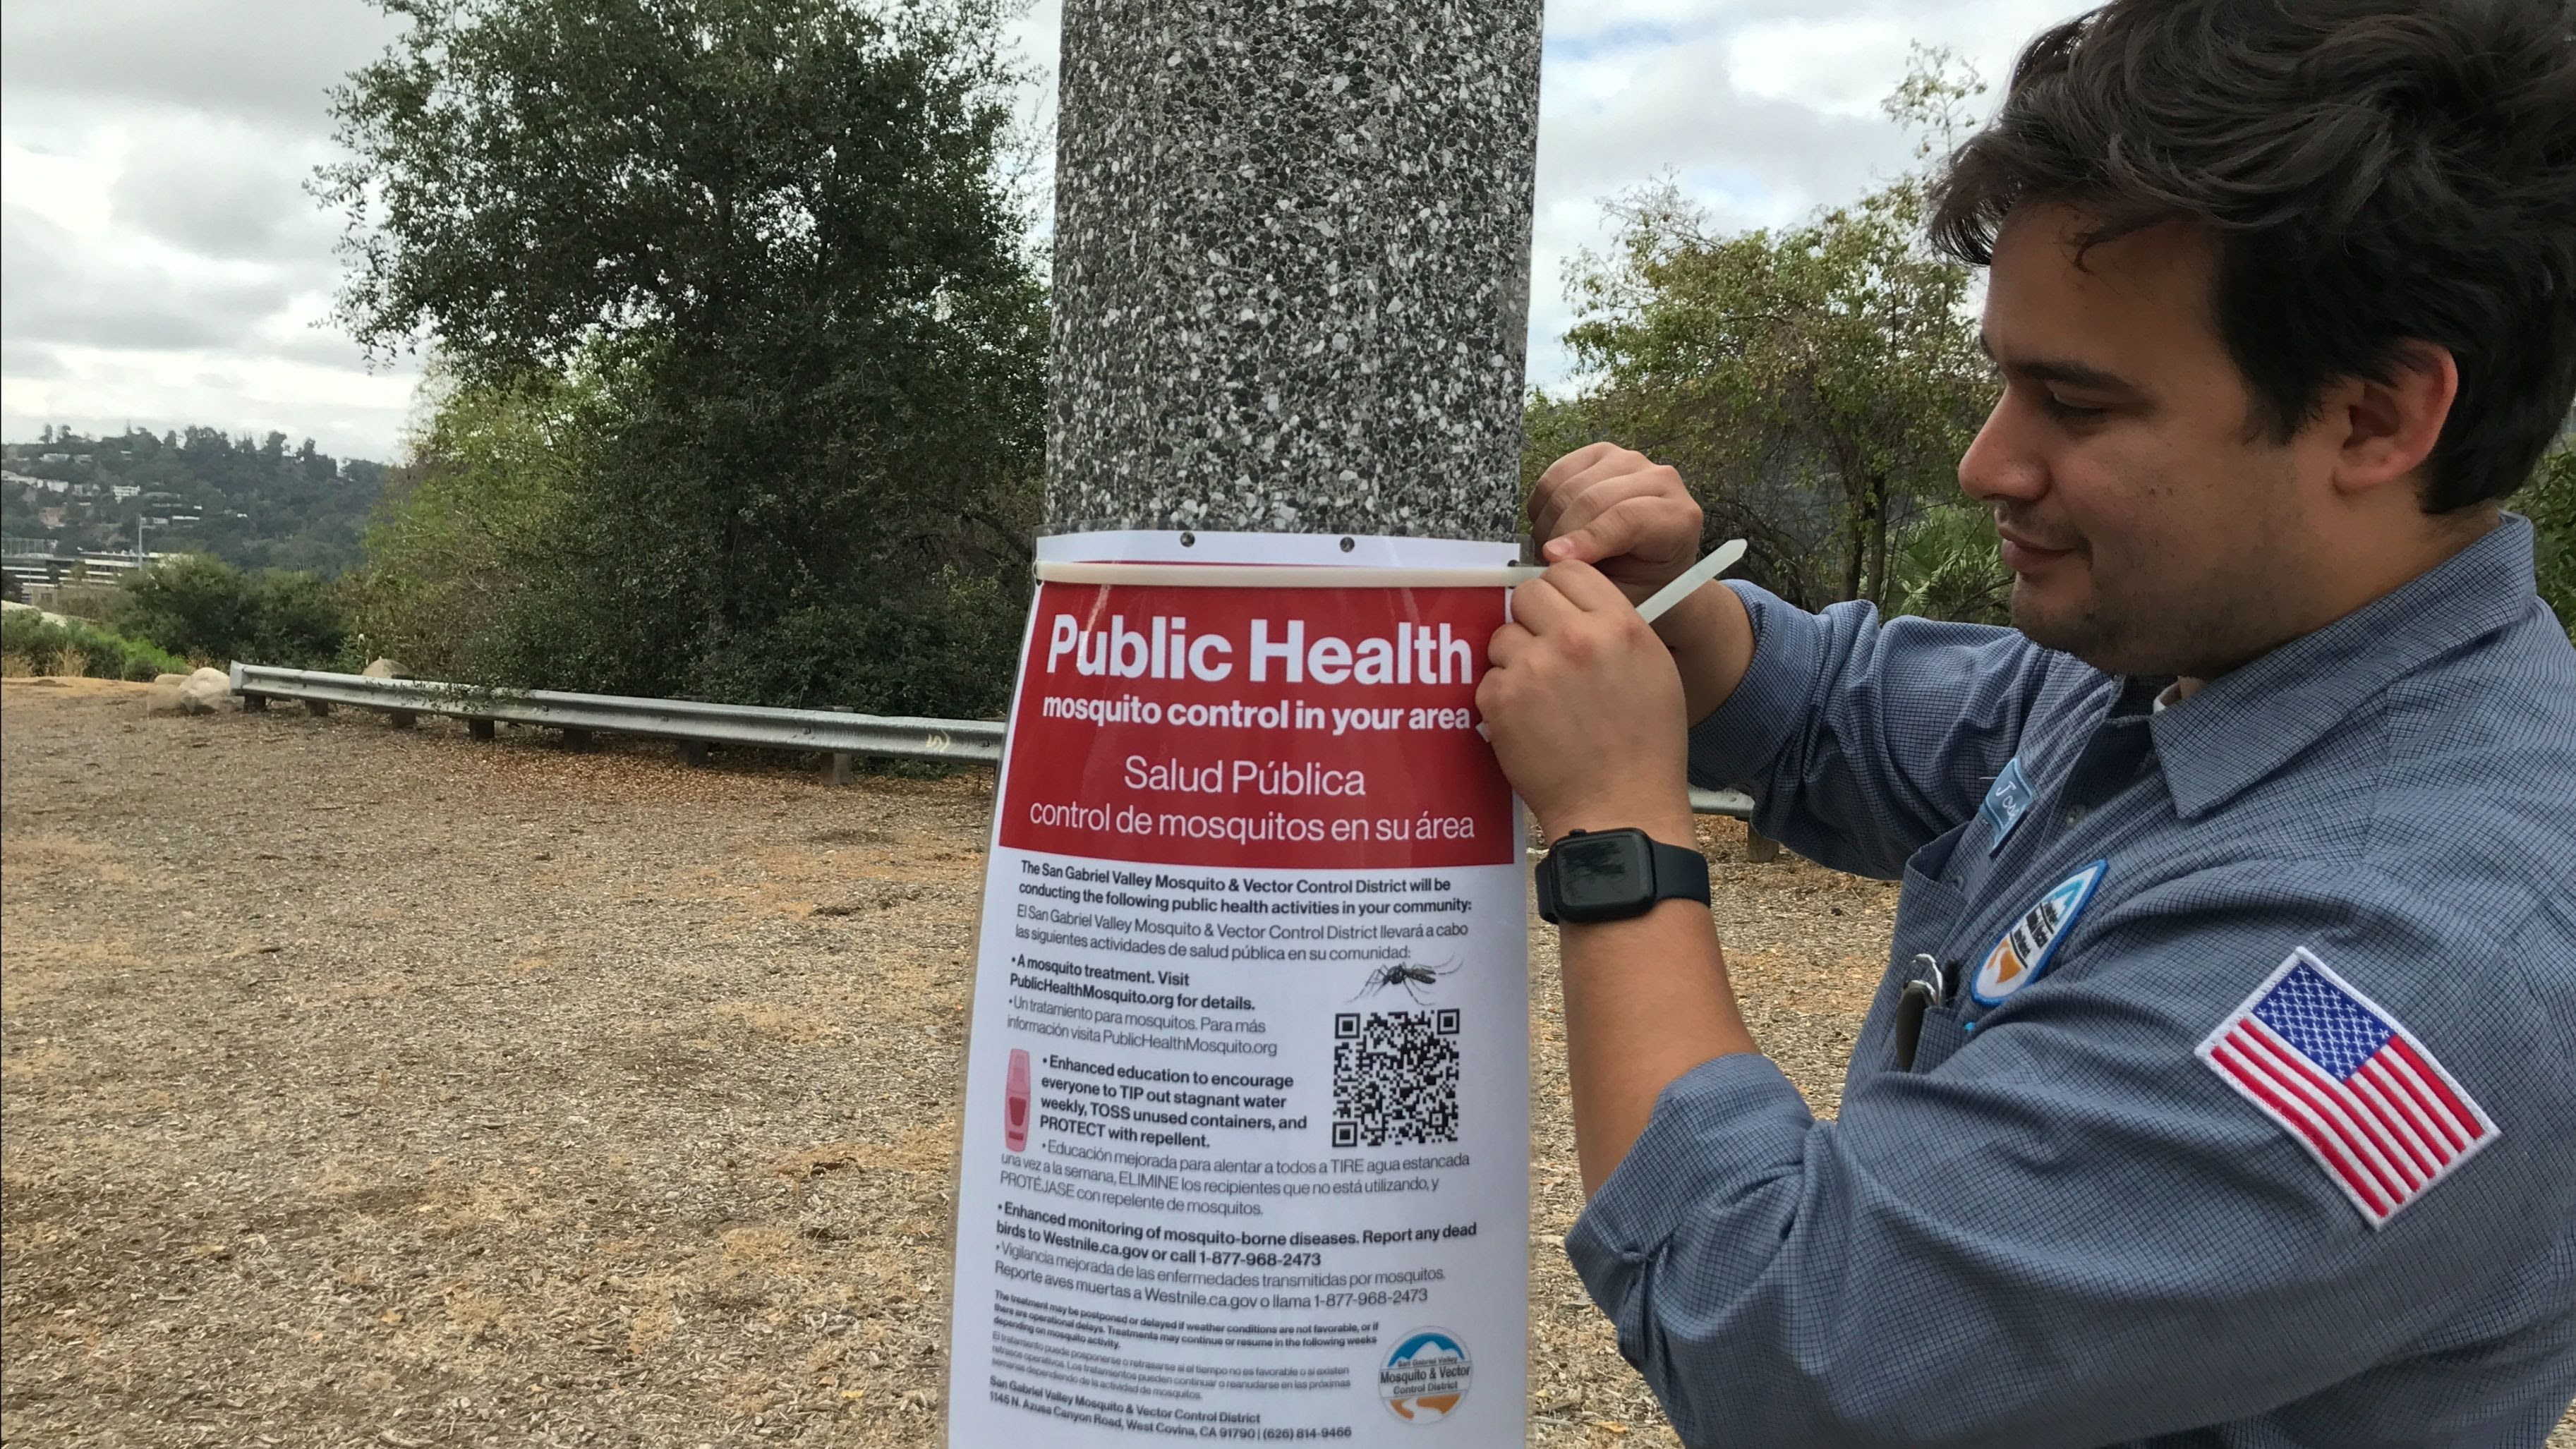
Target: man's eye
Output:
[{"x": 2065, "y": 411}]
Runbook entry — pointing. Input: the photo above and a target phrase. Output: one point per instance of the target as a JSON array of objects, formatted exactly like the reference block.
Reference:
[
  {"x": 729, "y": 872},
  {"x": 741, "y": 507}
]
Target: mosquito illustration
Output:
[{"x": 1407, "y": 975}]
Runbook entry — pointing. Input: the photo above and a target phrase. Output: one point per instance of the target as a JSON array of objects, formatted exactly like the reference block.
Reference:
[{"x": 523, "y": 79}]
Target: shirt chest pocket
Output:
[
  {"x": 1928, "y": 910},
  {"x": 1928, "y": 916},
  {"x": 1941, "y": 1035}
]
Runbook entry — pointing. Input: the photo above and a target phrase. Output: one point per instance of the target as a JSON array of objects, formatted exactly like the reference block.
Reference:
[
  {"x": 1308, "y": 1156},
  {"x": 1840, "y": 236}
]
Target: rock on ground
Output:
[{"x": 203, "y": 691}]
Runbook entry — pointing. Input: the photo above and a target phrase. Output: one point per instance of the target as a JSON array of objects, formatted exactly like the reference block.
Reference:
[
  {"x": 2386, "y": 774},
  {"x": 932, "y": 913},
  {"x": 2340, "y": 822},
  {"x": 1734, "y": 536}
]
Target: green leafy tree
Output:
[
  {"x": 470, "y": 518},
  {"x": 2549, "y": 501},
  {"x": 769, "y": 238},
  {"x": 1816, "y": 384}
]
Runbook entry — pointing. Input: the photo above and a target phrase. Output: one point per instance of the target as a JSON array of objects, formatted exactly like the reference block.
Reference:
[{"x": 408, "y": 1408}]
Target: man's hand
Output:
[
  {"x": 1584, "y": 709},
  {"x": 1619, "y": 511},
  {"x": 1631, "y": 518}
]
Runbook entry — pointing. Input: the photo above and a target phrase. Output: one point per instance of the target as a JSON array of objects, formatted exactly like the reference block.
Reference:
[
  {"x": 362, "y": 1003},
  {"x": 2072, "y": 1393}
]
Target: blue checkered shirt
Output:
[{"x": 2060, "y": 1226}]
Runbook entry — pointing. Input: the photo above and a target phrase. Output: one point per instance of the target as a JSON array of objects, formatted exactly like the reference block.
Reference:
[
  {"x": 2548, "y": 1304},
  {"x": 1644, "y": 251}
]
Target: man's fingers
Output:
[
  {"x": 1539, "y": 606},
  {"x": 1564, "y": 470},
  {"x": 1588, "y": 496},
  {"x": 1639, "y": 518},
  {"x": 1578, "y": 588},
  {"x": 1574, "y": 475},
  {"x": 1509, "y": 644}
]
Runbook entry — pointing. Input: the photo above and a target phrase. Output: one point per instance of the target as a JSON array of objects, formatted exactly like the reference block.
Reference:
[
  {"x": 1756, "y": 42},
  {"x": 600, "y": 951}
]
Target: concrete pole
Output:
[{"x": 1292, "y": 265}]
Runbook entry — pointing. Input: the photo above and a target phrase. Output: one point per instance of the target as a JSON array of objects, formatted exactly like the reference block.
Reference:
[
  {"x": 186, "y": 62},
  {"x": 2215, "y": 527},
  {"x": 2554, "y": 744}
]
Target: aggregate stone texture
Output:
[{"x": 1292, "y": 265}]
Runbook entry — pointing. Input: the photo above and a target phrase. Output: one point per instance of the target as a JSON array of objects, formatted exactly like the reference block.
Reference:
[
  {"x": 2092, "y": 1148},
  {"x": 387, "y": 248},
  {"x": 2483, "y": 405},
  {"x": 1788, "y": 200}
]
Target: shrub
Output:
[
  {"x": 204, "y": 608},
  {"x": 2549, "y": 501},
  {"x": 944, "y": 650},
  {"x": 78, "y": 648}
]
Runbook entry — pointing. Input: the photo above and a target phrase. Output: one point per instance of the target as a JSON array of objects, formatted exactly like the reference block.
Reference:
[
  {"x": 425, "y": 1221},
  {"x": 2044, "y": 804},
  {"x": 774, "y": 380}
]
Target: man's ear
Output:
[{"x": 2389, "y": 426}]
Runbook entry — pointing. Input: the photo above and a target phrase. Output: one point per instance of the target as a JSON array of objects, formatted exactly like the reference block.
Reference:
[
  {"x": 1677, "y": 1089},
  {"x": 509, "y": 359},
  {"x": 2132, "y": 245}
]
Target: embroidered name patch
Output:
[
  {"x": 2349, "y": 1084},
  {"x": 2006, "y": 800},
  {"x": 2027, "y": 944}
]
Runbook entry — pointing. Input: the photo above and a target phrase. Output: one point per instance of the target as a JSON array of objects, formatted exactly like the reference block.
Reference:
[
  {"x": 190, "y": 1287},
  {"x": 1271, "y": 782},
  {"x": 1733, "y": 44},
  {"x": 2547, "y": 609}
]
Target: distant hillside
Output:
[{"x": 255, "y": 503}]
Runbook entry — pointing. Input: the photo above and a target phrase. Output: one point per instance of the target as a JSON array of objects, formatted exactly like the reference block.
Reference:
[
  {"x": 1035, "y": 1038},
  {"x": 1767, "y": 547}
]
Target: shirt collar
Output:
[{"x": 2248, "y": 722}]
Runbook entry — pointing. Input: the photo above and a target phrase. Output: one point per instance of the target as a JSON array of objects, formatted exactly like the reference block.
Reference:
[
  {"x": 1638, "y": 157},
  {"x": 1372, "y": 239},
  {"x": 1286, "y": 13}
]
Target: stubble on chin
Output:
[{"x": 2069, "y": 629}]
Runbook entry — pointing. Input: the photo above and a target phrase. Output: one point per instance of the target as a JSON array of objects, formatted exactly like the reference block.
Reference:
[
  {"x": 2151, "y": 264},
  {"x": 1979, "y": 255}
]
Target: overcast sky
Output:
[{"x": 163, "y": 264}]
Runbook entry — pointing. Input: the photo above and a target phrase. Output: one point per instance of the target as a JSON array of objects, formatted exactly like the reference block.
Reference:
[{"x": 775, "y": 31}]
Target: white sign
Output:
[{"x": 1247, "y": 1128}]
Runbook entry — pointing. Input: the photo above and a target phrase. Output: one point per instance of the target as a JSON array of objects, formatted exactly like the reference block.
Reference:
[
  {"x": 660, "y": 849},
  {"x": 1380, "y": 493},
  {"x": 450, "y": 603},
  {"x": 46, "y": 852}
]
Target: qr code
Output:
[{"x": 1395, "y": 1077}]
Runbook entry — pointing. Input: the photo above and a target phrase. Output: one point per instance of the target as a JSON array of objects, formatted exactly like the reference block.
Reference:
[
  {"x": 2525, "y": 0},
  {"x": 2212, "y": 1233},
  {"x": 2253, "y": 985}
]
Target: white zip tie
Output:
[{"x": 1719, "y": 560}]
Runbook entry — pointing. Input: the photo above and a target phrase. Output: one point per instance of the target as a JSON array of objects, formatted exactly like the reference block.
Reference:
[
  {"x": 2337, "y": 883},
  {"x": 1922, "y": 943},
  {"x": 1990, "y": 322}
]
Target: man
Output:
[{"x": 2222, "y": 1086}]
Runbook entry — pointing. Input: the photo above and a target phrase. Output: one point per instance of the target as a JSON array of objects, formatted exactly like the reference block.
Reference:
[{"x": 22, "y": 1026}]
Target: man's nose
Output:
[{"x": 2004, "y": 461}]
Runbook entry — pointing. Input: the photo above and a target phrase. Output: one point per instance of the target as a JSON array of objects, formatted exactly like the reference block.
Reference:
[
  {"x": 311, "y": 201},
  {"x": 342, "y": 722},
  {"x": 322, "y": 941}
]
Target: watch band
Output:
[{"x": 1675, "y": 873}]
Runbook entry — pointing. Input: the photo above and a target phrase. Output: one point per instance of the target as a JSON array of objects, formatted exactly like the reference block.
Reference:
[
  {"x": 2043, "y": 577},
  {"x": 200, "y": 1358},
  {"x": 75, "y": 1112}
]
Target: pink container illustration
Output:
[{"x": 1015, "y": 1104}]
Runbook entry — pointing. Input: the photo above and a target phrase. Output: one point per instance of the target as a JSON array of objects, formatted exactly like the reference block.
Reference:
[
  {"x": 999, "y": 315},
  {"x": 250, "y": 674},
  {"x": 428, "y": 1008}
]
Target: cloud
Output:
[
  {"x": 219, "y": 192},
  {"x": 163, "y": 257},
  {"x": 1761, "y": 112},
  {"x": 30, "y": 361},
  {"x": 59, "y": 291},
  {"x": 346, "y": 412},
  {"x": 164, "y": 263},
  {"x": 272, "y": 60}
]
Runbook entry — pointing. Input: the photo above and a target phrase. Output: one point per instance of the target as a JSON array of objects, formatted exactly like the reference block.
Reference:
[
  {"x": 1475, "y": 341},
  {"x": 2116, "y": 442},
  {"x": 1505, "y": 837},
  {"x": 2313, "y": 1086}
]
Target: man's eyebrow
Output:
[{"x": 2057, "y": 369}]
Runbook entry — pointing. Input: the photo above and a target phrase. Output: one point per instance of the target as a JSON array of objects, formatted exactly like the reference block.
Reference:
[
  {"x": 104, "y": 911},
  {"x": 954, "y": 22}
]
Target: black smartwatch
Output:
[{"x": 1611, "y": 875}]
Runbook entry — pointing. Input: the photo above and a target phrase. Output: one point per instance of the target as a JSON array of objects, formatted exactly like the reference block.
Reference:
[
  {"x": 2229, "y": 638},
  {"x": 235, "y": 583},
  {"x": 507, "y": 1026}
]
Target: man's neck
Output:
[{"x": 2362, "y": 571}]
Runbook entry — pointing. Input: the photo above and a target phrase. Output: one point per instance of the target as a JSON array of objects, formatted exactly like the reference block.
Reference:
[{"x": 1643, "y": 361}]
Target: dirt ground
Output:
[{"x": 377, "y": 1086}]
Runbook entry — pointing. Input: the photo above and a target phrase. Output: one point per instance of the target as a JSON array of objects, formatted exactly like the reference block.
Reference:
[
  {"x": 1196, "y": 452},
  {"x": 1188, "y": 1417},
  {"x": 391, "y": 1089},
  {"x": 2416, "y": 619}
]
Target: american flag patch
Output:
[{"x": 2357, "y": 1090}]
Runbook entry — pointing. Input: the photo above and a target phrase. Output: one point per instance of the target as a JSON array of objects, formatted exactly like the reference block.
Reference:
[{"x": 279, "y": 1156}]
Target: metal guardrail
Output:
[
  {"x": 685, "y": 720},
  {"x": 1733, "y": 804},
  {"x": 688, "y": 721}
]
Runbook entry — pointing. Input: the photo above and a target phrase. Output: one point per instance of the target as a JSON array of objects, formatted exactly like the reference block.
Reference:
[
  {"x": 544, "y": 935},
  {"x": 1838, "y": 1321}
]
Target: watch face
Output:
[{"x": 1609, "y": 874}]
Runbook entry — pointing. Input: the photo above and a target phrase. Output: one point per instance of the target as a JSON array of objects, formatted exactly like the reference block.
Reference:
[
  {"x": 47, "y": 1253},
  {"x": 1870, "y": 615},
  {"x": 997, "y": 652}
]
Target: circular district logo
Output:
[{"x": 1426, "y": 1376}]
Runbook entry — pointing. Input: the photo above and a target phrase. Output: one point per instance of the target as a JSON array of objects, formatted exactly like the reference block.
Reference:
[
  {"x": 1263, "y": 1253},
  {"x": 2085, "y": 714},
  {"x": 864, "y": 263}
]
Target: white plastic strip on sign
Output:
[
  {"x": 1309, "y": 576},
  {"x": 1281, "y": 576},
  {"x": 1719, "y": 560}
]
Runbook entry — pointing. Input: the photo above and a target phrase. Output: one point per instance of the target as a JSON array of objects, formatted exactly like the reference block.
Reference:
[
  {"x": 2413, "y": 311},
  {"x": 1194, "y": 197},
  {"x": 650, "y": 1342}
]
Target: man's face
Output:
[{"x": 2150, "y": 528}]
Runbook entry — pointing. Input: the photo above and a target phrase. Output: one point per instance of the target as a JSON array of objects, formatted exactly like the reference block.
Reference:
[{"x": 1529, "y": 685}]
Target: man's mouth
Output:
[{"x": 2024, "y": 554}]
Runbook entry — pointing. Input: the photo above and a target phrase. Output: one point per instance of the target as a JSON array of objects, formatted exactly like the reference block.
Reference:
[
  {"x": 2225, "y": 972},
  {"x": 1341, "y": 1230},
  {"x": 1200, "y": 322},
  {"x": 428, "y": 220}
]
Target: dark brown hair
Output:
[{"x": 2374, "y": 173}]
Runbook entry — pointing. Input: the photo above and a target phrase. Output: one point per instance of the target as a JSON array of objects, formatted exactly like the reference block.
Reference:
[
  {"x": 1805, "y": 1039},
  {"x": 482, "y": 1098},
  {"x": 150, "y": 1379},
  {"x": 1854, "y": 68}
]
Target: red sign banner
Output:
[{"x": 1257, "y": 728}]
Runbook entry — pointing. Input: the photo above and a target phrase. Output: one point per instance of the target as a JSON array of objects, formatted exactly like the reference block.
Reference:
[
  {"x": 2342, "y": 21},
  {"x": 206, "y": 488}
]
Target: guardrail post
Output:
[
  {"x": 693, "y": 752},
  {"x": 480, "y": 729},
  {"x": 254, "y": 703},
  {"x": 577, "y": 739},
  {"x": 401, "y": 719},
  {"x": 841, "y": 758},
  {"x": 317, "y": 706},
  {"x": 1759, "y": 848}
]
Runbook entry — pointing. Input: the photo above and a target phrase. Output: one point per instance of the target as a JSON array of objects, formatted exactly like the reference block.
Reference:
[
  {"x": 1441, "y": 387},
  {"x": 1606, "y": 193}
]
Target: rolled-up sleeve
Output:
[
  {"x": 1860, "y": 740},
  {"x": 2072, "y": 1232}
]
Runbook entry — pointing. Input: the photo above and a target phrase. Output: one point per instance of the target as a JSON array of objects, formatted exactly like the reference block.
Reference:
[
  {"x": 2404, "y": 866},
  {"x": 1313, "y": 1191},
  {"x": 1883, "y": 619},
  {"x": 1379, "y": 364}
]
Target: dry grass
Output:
[{"x": 376, "y": 1086}]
